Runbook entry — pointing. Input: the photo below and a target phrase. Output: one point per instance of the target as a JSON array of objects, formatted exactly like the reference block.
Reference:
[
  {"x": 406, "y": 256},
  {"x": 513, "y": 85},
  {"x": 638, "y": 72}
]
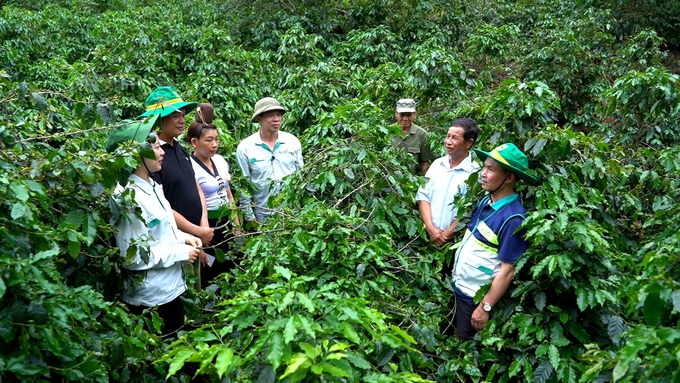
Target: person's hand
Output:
[
  {"x": 436, "y": 235},
  {"x": 193, "y": 254},
  {"x": 194, "y": 242},
  {"x": 238, "y": 242},
  {"x": 479, "y": 318},
  {"x": 204, "y": 259},
  {"x": 205, "y": 234}
]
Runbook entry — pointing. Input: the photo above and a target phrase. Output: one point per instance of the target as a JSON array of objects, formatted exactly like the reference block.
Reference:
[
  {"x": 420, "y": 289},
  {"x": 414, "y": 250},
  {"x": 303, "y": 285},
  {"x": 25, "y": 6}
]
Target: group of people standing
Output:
[
  {"x": 178, "y": 207},
  {"x": 493, "y": 240}
]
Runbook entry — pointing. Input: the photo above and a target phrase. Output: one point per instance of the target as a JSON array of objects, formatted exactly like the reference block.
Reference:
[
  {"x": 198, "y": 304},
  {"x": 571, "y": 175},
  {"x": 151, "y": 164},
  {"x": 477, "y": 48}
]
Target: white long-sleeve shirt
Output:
[
  {"x": 265, "y": 167},
  {"x": 155, "y": 267}
]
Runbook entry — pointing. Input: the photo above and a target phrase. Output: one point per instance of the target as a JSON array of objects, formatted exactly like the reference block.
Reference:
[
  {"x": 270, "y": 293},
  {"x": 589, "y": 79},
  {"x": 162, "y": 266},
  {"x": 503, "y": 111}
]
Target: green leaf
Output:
[
  {"x": 333, "y": 370},
  {"x": 290, "y": 330},
  {"x": 615, "y": 327},
  {"x": 403, "y": 334},
  {"x": 298, "y": 361},
  {"x": 283, "y": 271},
  {"x": 311, "y": 351},
  {"x": 275, "y": 349},
  {"x": 305, "y": 301},
  {"x": 302, "y": 321},
  {"x": 543, "y": 372},
  {"x": 20, "y": 191},
  {"x": 42, "y": 103},
  {"x": 18, "y": 210},
  {"x": 652, "y": 308},
  {"x": 89, "y": 117},
  {"x": 540, "y": 301},
  {"x": 267, "y": 374},
  {"x": 224, "y": 360},
  {"x": 515, "y": 367},
  {"x": 3, "y": 288},
  {"x": 349, "y": 332},
  {"x": 358, "y": 361},
  {"x": 554, "y": 356},
  {"x": 178, "y": 360},
  {"x": 675, "y": 296}
]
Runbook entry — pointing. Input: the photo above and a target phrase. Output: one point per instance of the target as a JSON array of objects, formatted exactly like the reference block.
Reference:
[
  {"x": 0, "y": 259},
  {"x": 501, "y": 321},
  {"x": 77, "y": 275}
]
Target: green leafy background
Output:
[{"x": 343, "y": 285}]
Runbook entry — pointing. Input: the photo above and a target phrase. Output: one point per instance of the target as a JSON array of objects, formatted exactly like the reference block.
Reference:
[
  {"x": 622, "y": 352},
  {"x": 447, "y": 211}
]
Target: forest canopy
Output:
[{"x": 342, "y": 285}]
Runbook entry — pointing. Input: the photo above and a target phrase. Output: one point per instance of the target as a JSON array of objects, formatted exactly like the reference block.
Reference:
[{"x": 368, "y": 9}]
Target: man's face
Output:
[
  {"x": 173, "y": 124},
  {"x": 405, "y": 119},
  {"x": 455, "y": 143},
  {"x": 493, "y": 175},
  {"x": 270, "y": 122}
]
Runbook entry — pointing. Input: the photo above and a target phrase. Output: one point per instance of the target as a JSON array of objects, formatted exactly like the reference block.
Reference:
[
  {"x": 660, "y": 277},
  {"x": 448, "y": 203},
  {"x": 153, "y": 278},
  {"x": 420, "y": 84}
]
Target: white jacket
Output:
[{"x": 155, "y": 269}]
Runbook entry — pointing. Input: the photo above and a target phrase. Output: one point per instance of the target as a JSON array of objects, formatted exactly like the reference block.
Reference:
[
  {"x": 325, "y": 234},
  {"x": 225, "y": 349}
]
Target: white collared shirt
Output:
[
  {"x": 444, "y": 185},
  {"x": 265, "y": 167},
  {"x": 160, "y": 279}
]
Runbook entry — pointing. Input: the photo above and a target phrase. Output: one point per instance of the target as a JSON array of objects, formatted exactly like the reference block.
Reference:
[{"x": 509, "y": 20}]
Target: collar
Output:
[
  {"x": 161, "y": 142},
  {"x": 503, "y": 201},
  {"x": 465, "y": 164},
  {"x": 141, "y": 184},
  {"x": 412, "y": 129}
]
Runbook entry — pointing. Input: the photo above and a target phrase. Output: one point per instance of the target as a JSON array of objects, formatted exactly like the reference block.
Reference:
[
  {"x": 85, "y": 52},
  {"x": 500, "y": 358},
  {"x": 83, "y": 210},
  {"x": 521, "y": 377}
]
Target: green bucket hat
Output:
[
  {"x": 510, "y": 158},
  {"x": 266, "y": 104},
  {"x": 164, "y": 101},
  {"x": 131, "y": 131}
]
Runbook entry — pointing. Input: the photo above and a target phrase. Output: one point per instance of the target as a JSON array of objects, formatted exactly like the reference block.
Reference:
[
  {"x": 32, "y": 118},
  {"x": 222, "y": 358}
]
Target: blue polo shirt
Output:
[{"x": 503, "y": 217}]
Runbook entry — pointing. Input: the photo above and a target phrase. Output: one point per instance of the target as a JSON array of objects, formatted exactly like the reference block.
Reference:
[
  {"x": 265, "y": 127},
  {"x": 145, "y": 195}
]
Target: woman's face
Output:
[
  {"x": 155, "y": 165},
  {"x": 206, "y": 146}
]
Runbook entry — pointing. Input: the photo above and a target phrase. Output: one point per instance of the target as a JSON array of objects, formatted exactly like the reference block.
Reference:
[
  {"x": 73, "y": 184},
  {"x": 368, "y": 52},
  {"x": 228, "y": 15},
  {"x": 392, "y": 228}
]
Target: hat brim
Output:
[
  {"x": 406, "y": 110},
  {"x": 524, "y": 176},
  {"x": 132, "y": 131},
  {"x": 165, "y": 111},
  {"x": 267, "y": 109}
]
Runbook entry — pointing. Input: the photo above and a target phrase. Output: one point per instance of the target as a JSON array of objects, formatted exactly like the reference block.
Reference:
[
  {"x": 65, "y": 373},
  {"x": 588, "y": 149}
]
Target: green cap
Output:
[
  {"x": 131, "y": 131},
  {"x": 164, "y": 101},
  {"x": 266, "y": 104},
  {"x": 510, "y": 158}
]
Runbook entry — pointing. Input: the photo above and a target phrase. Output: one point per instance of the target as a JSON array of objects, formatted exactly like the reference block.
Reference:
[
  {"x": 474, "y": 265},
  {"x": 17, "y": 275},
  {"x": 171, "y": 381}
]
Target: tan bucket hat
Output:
[{"x": 266, "y": 104}]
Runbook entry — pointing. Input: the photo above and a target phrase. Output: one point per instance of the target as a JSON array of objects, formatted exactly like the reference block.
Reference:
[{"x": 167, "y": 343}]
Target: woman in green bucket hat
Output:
[
  {"x": 153, "y": 247},
  {"x": 492, "y": 241},
  {"x": 177, "y": 174}
]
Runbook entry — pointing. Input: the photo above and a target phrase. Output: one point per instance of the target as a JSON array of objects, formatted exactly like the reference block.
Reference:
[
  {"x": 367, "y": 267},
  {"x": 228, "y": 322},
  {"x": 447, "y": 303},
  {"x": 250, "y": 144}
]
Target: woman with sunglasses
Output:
[
  {"x": 153, "y": 248},
  {"x": 212, "y": 175}
]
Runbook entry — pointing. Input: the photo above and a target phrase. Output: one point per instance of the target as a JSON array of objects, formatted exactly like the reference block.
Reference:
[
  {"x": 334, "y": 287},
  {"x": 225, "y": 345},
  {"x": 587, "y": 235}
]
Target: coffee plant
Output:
[{"x": 343, "y": 284}]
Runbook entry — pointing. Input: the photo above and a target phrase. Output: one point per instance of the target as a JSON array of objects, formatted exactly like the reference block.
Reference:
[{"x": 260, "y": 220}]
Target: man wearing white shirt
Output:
[
  {"x": 446, "y": 181},
  {"x": 266, "y": 157}
]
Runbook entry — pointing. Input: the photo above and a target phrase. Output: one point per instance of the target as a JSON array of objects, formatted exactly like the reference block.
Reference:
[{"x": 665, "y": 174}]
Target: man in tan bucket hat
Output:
[{"x": 266, "y": 157}]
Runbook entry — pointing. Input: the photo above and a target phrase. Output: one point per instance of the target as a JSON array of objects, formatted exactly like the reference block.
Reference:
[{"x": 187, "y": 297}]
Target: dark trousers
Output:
[
  {"x": 172, "y": 314},
  {"x": 463, "y": 317},
  {"x": 219, "y": 237}
]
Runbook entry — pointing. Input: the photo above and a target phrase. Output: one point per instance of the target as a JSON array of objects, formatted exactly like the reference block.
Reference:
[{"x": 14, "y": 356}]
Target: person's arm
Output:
[
  {"x": 499, "y": 286},
  {"x": 161, "y": 254},
  {"x": 447, "y": 233},
  {"x": 299, "y": 162},
  {"x": 204, "y": 206},
  {"x": 245, "y": 200},
  {"x": 205, "y": 234},
  {"x": 436, "y": 234},
  {"x": 425, "y": 165}
]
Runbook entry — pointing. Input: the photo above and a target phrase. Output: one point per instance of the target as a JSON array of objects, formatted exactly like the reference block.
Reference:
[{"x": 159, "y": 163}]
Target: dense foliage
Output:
[{"x": 343, "y": 285}]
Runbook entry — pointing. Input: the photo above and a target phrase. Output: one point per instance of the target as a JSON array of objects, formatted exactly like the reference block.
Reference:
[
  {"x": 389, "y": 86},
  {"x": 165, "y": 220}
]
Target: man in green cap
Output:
[
  {"x": 177, "y": 174},
  {"x": 153, "y": 247},
  {"x": 266, "y": 157},
  {"x": 491, "y": 243}
]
